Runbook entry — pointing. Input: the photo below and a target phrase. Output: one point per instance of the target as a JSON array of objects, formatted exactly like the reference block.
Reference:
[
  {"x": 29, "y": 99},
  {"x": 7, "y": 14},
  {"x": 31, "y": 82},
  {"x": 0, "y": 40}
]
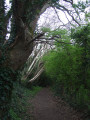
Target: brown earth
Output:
[{"x": 47, "y": 107}]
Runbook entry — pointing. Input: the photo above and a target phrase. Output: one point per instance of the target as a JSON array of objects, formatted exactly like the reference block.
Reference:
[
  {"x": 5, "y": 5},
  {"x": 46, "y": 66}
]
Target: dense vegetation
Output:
[
  {"x": 21, "y": 104},
  {"x": 68, "y": 61},
  {"x": 68, "y": 66}
]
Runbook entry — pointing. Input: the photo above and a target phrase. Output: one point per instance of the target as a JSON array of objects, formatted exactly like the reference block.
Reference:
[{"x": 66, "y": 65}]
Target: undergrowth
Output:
[
  {"x": 20, "y": 101},
  {"x": 68, "y": 67}
]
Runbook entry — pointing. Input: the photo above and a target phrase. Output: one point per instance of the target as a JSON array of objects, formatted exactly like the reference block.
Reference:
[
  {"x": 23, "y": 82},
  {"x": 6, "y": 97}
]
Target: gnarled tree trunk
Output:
[
  {"x": 25, "y": 16},
  {"x": 25, "y": 27}
]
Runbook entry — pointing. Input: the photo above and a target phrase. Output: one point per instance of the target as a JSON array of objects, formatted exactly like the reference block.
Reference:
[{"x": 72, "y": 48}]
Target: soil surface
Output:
[{"x": 47, "y": 107}]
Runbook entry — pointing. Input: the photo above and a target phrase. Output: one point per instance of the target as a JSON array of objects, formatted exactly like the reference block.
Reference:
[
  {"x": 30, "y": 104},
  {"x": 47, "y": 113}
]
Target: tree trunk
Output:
[
  {"x": 23, "y": 44},
  {"x": 25, "y": 15}
]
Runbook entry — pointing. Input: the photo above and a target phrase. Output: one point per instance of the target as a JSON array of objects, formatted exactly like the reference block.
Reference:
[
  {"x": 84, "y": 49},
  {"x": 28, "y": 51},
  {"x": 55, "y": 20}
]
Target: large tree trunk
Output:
[
  {"x": 25, "y": 16},
  {"x": 25, "y": 27}
]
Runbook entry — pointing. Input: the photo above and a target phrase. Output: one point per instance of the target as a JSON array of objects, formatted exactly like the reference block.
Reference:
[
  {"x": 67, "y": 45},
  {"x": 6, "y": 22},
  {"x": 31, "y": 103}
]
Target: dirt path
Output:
[{"x": 46, "y": 108}]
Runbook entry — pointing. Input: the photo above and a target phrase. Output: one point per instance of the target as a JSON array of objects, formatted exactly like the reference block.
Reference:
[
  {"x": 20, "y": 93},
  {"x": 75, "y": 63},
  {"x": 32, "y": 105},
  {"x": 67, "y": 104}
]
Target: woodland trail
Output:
[{"x": 46, "y": 107}]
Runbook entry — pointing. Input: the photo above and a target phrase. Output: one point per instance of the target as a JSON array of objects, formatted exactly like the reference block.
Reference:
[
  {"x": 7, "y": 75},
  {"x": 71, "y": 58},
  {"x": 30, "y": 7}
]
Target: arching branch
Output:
[{"x": 37, "y": 75}]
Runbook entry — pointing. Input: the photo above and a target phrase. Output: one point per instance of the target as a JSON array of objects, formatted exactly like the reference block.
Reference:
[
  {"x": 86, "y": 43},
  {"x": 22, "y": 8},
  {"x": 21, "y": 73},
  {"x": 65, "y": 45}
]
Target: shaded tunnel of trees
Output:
[{"x": 59, "y": 57}]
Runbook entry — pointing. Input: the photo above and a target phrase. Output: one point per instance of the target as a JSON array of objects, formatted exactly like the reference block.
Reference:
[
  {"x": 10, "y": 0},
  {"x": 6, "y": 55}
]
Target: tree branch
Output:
[
  {"x": 37, "y": 37},
  {"x": 37, "y": 75},
  {"x": 70, "y": 1},
  {"x": 58, "y": 6}
]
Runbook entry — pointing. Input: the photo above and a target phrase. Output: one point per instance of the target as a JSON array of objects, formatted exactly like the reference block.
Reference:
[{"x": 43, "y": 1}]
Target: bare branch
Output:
[
  {"x": 48, "y": 40},
  {"x": 37, "y": 37},
  {"x": 70, "y": 1},
  {"x": 37, "y": 75},
  {"x": 58, "y": 16},
  {"x": 58, "y": 6}
]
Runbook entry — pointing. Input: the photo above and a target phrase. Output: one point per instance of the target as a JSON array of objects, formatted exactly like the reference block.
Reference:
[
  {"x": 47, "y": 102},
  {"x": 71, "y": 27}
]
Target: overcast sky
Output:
[{"x": 49, "y": 17}]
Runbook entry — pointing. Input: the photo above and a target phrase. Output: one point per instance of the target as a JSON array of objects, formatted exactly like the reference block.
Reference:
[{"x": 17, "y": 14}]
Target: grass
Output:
[{"x": 20, "y": 101}]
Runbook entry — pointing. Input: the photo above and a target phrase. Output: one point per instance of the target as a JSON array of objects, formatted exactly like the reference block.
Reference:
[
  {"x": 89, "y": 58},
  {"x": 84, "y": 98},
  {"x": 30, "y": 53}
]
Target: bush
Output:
[{"x": 68, "y": 67}]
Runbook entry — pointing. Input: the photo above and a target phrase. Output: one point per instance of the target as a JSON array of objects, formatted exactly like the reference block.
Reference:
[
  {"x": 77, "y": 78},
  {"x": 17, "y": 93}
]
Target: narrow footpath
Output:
[{"x": 46, "y": 107}]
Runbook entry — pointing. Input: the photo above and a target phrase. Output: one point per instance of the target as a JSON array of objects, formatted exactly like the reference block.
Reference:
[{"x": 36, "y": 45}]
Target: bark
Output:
[
  {"x": 33, "y": 64},
  {"x": 22, "y": 46},
  {"x": 37, "y": 75},
  {"x": 19, "y": 50}
]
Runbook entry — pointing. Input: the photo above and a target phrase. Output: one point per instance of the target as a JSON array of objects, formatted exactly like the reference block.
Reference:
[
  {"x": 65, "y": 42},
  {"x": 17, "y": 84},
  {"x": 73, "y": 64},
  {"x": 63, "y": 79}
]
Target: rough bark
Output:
[{"x": 21, "y": 49}]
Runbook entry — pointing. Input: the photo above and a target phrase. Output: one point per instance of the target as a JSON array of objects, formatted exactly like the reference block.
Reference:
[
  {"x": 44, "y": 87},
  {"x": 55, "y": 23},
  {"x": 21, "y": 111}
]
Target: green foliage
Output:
[
  {"x": 81, "y": 5},
  {"x": 7, "y": 75},
  {"x": 68, "y": 67},
  {"x": 44, "y": 29},
  {"x": 31, "y": 11},
  {"x": 42, "y": 81},
  {"x": 6, "y": 85},
  {"x": 87, "y": 17},
  {"x": 14, "y": 115},
  {"x": 21, "y": 97},
  {"x": 81, "y": 35},
  {"x": 2, "y": 21},
  {"x": 12, "y": 32}
]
